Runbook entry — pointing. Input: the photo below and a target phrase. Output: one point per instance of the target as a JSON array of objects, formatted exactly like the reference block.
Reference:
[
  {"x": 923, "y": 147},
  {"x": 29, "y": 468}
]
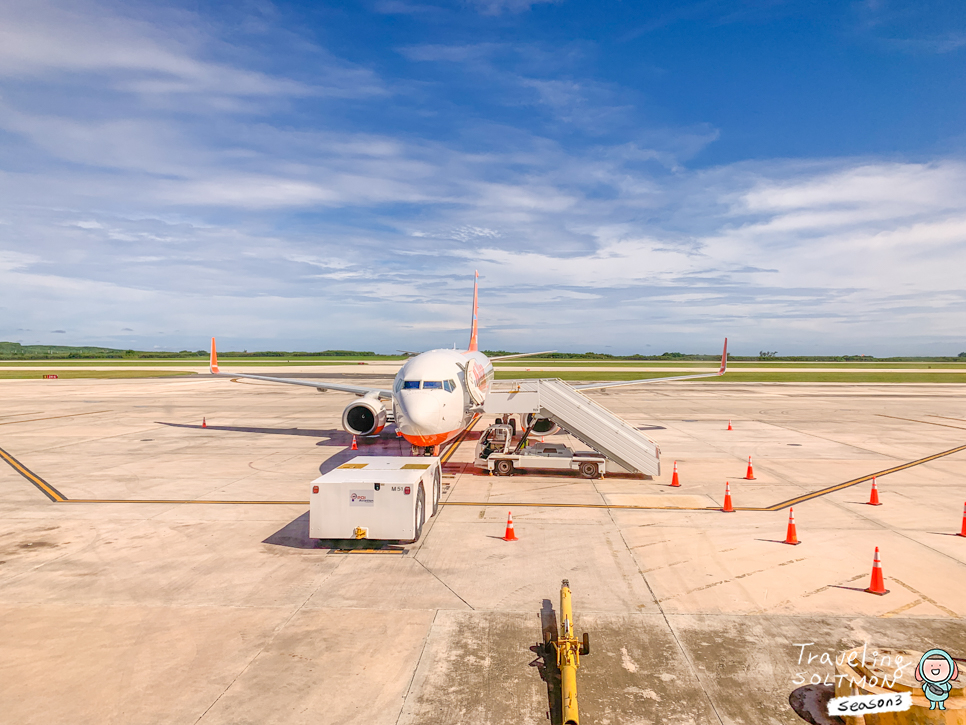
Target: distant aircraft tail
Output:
[
  {"x": 474, "y": 345},
  {"x": 724, "y": 359},
  {"x": 213, "y": 360}
]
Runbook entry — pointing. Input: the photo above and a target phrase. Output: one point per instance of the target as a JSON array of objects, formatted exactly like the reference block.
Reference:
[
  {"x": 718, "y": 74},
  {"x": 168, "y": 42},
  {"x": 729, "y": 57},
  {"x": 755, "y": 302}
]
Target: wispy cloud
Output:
[{"x": 496, "y": 7}]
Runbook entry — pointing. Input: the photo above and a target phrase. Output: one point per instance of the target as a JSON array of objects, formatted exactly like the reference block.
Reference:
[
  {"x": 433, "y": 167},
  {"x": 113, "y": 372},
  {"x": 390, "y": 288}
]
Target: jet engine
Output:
[
  {"x": 364, "y": 417},
  {"x": 542, "y": 426}
]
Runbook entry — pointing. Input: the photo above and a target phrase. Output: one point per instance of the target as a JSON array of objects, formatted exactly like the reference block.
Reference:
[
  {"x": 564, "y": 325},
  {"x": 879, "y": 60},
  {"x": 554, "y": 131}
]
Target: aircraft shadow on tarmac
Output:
[
  {"x": 546, "y": 660},
  {"x": 330, "y": 434}
]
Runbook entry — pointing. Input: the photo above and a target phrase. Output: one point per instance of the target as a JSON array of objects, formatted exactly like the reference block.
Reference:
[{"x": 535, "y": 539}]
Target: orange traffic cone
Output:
[
  {"x": 509, "y": 535},
  {"x": 877, "y": 586},
  {"x": 750, "y": 476},
  {"x": 729, "y": 424},
  {"x": 355, "y": 446},
  {"x": 204, "y": 423},
  {"x": 874, "y": 498},
  {"x": 963, "y": 532},
  {"x": 792, "y": 536},
  {"x": 728, "y": 508},
  {"x": 674, "y": 478}
]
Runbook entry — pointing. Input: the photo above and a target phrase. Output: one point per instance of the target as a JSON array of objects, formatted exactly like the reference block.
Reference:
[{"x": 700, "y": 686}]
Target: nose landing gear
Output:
[{"x": 425, "y": 450}]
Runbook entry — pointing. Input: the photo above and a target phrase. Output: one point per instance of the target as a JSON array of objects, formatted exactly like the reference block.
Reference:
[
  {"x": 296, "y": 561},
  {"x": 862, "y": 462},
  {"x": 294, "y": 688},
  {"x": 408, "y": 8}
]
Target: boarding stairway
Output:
[{"x": 592, "y": 424}]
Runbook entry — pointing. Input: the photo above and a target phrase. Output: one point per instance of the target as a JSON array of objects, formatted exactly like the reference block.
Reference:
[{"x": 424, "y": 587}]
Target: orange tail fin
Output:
[
  {"x": 474, "y": 329},
  {"x": 213, "y": 361}
]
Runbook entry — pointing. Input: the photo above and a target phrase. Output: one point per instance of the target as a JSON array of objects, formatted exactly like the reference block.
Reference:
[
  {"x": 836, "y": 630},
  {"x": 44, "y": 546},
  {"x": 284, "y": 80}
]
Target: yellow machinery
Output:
[{"x": 569, "y": 649}]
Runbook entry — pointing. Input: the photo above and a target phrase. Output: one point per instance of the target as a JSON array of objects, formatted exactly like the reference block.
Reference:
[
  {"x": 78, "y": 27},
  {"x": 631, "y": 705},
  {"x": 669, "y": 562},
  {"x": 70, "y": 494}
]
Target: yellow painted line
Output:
[
  {"x": 49, "y": 491},
  {"x": 854, "y": 481},
  {"x": 581, "y": 506},
  {"x": 176, "y": 500},
  {"x": 459, "y": 439},
  {"x": 370, "y": 551},
  {"x": 925, "y": 422},
  {"x": 54, "y": 417},
  {"x": 774, "y": 507}
]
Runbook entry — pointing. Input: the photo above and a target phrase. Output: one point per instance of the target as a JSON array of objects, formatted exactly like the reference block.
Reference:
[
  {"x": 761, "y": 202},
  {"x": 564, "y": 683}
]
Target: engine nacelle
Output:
[
  {"x": 364, "y": 417},
  {"x": 542, "y": 427}
]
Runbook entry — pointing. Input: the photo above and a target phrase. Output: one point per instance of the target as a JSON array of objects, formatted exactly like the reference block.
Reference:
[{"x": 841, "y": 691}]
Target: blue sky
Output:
[{"x": 627, "y": 176}]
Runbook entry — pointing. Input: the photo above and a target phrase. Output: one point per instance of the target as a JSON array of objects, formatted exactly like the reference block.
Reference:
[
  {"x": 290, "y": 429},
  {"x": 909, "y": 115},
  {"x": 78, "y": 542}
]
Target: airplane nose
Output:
[{"x": 420, "y": 414}]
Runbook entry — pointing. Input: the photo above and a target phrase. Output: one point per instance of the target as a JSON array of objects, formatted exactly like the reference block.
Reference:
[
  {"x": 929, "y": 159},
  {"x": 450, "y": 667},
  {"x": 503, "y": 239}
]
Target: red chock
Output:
[
  {"x": 750, "y": 476},
  {"x": 874, "y": 497},
  {"x": 355, "y": 446},
  {"x": 510, "y": 535},
  {"x": 675, "y": 481},
  {"x": 877, "y": 586},
  {"x": 792, "y": 536},
  {"x": 727, "y": 508}
]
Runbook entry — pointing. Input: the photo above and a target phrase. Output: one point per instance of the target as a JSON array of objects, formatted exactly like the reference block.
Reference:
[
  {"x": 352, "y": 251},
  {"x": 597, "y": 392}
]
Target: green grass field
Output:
[
  {"x": 766, "y": 376},
  {"x": 93, "y": 374},
  {"x": 736, "y": 364},
  {"x": 189, "y": 362}
]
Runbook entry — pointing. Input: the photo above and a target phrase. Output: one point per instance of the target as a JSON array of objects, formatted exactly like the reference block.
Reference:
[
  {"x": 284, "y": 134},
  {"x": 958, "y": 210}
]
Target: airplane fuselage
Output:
[{"x": 434, "y": 394}]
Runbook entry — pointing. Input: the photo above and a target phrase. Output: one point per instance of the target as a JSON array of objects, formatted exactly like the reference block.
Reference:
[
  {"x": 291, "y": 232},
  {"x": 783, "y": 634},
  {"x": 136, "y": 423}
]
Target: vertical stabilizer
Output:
[
  {"x": 213, "y": 360},
  {"x": 473, "y": 330}
]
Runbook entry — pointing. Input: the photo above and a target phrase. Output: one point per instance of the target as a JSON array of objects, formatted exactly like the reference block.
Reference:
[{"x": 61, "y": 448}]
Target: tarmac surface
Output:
[{"x": 171, "y": 612}]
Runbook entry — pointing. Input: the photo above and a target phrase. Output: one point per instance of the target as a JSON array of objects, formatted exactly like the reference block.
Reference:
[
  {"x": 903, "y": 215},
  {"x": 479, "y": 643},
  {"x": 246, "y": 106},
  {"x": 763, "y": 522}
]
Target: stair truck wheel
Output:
[
  {"x": 504, "y": 467},
  {"x": 588, "y": 470}
]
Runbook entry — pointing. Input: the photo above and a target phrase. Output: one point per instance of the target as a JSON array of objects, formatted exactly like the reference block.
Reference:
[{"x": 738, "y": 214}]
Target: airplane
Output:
[{"x": 436, "y": 394}]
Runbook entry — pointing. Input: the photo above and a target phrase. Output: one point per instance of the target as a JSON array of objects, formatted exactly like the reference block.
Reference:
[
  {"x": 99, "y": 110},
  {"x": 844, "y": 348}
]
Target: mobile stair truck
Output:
[
  {"x": 495, "y": 452},
  {"x": 552, "y": 401},
  {"x": 375, "y": 497}
]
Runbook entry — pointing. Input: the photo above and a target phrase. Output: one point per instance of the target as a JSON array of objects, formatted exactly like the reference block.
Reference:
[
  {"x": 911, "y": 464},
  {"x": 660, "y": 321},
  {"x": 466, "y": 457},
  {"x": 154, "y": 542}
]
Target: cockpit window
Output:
[
  {"x": 449, "y": 386},
  {"x": 434, "y": 384},
  {"x": 410, "y": 385}
]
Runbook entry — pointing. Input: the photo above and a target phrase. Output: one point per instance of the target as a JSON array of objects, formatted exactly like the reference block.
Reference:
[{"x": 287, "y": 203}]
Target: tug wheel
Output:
[{"x": 504, "y": 468}]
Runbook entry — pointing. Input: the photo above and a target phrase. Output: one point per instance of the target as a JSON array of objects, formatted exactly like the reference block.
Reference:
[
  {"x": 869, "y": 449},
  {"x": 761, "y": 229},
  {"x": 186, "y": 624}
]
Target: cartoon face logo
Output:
[{"x": 935, "y": 670}]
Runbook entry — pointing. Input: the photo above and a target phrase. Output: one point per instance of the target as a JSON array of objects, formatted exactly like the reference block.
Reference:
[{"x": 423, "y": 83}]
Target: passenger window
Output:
[
  {"x": 411, "y": 385},
  {"x": 432, "y": 384}
]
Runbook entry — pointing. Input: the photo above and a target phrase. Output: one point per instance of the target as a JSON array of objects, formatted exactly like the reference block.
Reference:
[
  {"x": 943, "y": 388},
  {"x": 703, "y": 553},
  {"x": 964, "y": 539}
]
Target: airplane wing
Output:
[
  {"x": 521, "y": 354},
  {"x": 721, "y": 371},
  {"x": 317, "y": 384}
]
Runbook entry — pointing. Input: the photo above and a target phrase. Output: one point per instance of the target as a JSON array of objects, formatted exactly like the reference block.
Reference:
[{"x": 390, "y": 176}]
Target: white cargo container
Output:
[{"x": 375, "y": 497}]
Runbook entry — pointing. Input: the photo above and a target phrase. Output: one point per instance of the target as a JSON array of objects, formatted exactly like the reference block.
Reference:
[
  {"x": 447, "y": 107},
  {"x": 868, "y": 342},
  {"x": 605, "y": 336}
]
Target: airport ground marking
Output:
[
  {"x": 459, "y": 439},
  {"x": 925, "y": 422},
  {"x": 54, "y": 417},
  {"x": 49, "y": 491}
]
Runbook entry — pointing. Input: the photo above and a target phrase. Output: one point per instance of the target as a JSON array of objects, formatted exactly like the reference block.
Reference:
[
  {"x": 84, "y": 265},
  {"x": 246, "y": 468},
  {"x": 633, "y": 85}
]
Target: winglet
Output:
[
  {"x": 213, "y": 361},
  {"x": 473, "y": 346},
  {"x": 724, "y": 358}
]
